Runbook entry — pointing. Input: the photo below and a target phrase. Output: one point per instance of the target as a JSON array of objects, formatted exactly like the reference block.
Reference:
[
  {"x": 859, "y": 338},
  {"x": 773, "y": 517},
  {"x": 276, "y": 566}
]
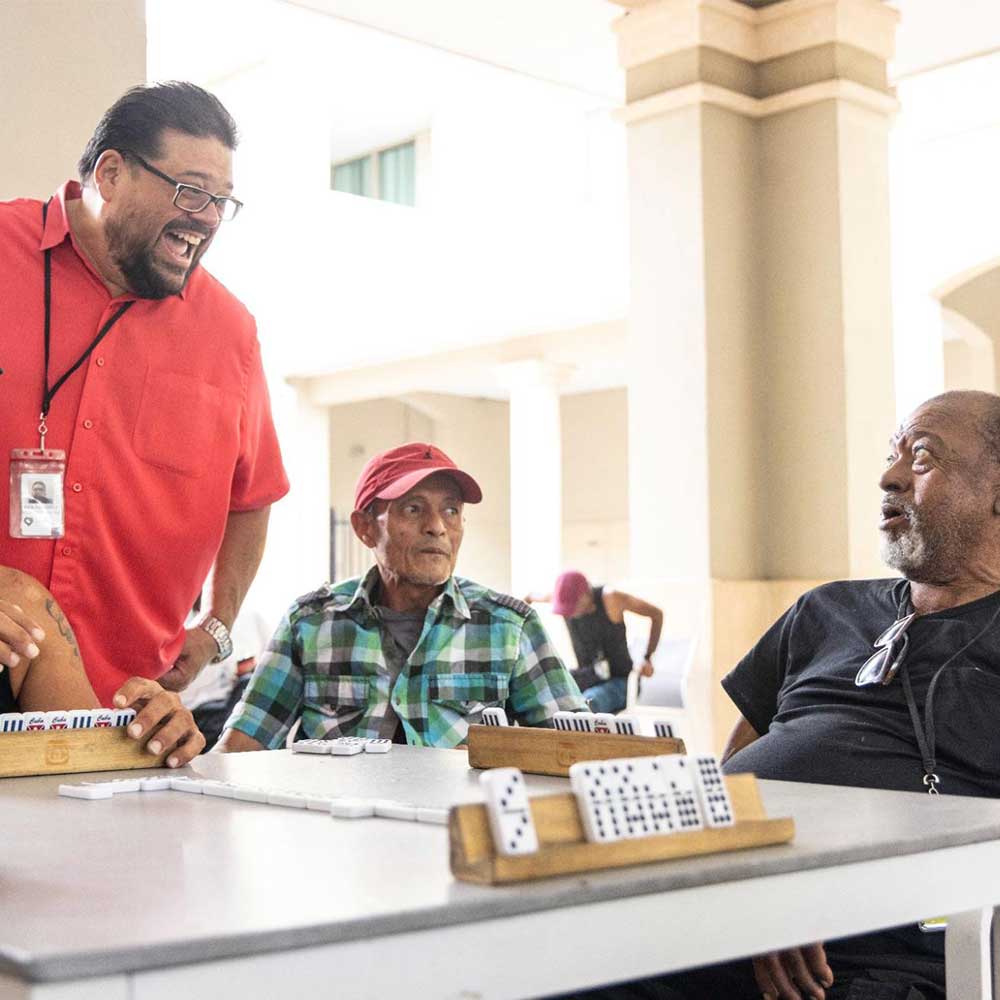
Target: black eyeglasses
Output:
[
  {"x": 890, "y": 649},
  {"x": 188, "y": 197}
]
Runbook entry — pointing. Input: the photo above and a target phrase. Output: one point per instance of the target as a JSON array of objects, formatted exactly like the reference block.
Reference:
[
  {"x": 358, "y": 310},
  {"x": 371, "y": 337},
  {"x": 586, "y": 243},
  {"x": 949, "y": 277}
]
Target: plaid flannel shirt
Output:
[{"x": 477, "y": 648}]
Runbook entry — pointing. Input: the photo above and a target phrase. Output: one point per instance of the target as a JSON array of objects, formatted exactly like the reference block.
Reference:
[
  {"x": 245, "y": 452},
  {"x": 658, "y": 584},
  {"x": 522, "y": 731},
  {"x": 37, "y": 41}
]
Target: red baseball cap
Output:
[
  {"x": 570, "y": 587},
  {"x": 392, "y": 473}
]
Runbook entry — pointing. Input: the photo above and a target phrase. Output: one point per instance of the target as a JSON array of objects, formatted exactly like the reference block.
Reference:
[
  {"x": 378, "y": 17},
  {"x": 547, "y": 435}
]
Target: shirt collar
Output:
[
  {"x": 57, "y": 230},
  {"x": 363, "y": 597}
]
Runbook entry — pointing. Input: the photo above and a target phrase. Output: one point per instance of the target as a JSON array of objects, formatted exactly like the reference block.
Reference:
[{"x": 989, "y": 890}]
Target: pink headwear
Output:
[{"x": 570, "y": 587}]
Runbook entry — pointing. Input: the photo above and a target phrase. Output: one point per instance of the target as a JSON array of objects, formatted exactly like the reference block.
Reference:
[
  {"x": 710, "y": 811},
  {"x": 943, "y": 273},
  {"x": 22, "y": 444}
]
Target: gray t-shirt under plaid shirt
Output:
[{"x": 477, "y": 648}]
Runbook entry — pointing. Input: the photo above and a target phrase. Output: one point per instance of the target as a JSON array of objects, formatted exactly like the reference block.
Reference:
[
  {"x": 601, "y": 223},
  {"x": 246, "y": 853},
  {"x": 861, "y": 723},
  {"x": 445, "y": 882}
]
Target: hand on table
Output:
[
  {"x": 18, "y": 635},
  {"x": 793, "y": 974},
  {"x": 646, "y": 668},
  {"x": 198, "y": 650},
  {"x": 161, "y": 721}
]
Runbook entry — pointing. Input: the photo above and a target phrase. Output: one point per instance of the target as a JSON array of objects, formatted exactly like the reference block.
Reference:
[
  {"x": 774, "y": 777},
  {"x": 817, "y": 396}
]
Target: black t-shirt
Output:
[{"x": 796, "y": 688}]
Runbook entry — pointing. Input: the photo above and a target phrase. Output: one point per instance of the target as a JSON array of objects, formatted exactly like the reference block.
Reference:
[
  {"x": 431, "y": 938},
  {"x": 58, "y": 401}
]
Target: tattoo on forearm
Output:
[{"x": 65, "y": 630}]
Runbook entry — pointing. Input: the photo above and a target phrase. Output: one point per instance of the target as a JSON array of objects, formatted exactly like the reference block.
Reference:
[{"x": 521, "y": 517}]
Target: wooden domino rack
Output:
[
  {"x": 552, "y": 751},
  {"x": 71, "y": 751},
  {"x": 563, "y": 849}
]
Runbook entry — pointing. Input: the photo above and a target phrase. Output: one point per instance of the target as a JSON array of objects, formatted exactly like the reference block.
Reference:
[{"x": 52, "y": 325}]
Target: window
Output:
[{"x": 387, "y": 174}]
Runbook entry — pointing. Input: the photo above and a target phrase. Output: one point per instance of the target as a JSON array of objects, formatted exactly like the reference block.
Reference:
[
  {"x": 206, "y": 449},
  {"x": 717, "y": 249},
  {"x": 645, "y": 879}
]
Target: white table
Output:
[{"x": 166, "y": 895}]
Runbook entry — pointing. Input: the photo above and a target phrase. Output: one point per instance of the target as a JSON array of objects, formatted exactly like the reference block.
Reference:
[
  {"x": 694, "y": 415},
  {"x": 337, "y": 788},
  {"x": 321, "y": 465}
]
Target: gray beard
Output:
[{"x": 928, "y": 554}]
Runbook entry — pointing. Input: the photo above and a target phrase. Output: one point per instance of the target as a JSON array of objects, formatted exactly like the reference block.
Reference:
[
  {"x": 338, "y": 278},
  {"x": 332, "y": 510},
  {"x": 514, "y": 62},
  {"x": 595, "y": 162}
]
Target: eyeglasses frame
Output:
[
  {"x": 886, "y": 651},
  {"x": 213, "y": 199}
]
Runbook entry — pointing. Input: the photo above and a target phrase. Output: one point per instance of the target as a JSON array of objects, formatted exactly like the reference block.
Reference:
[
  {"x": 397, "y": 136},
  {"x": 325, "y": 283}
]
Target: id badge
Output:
[{"x": 36, "y": 493}]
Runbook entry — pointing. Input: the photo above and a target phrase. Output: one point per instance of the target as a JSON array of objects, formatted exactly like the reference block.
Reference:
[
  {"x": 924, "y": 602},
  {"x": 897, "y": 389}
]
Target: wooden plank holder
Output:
[
  {"x": 72, "y": 751},
  {"x": 563, "y": 848},
  {"x": 552, "y": 751}
]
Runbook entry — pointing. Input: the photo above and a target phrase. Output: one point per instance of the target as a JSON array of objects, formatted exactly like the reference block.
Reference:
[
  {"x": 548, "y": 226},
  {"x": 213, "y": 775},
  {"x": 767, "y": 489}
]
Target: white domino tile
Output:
[
  {"x": 713, "y": 795},
  {"x": 604, "y": 722},
  {"x": 509, "y": 811},
  {"x": 12, "y": 722},
  {"x": 426, "y": 814},
  {"x": 319, "y": 803},
  {"x": 155, "y": 784},
  {"x": 57, "y": 720},
  {"x": 390, "y": 809},
  {"x": 494, "y": 717},
  {"x": 79, "y": 718},
  {"x": 121, "y": 785},
  {"x": 625, "y": 725},
  {"x": 100, "y": 791},
  {"x": 103, "y": 718},
  {"x": 596, "y": 789},
  {"x": 348, "y": 808},
  {"x": 184, "y": 784},
  {"x": 347, "y": 746},
  {"x": 678, "y": 776},
  {"x": 290, "y": 800},
  {"x": 218, "y": 789},
  {"x": 312, "y": 746},
  {"x": 378, "y": 746},
  {"x": 663, "y": 729},
  {"x": 35, "y": 722},
  {"x": 249, "y": 793},
  {"x": 574, "y": 722}
]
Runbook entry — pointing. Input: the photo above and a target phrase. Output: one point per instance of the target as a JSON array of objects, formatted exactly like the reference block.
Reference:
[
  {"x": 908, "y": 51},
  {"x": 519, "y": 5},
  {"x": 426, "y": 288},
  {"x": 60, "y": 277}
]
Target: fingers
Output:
[
  {"x": 772, "y": 980},
  {"x": 161, "y": 721},
  {"x": 793, "y": 974},
  {"x": 18, "y": 635},
  {"x": 815, "y": 958}
]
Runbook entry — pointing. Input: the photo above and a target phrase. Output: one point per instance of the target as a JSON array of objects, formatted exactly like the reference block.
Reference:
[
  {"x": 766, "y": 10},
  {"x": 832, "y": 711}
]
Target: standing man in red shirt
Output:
[{"x": 132, "y": 389}]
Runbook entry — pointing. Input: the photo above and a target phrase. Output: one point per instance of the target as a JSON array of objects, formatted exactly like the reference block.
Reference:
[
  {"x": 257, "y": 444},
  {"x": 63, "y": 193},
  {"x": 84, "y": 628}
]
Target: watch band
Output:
[{"x": 218, "y": 631}]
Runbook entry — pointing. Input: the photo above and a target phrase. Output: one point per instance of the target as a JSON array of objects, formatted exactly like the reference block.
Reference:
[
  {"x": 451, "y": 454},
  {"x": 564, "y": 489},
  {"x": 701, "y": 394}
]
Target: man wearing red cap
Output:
[
  {"x": 409, "y": 652},
  {"x": 595, "y": 620}
]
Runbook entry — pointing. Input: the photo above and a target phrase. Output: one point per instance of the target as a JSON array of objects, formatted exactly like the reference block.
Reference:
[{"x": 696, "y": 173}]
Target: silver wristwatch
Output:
[{"x": 220, "y": 634}]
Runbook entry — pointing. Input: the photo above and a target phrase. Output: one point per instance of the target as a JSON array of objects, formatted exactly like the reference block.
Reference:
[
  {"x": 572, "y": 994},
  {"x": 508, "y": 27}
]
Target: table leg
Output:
[{"x": 968, "y": 946}]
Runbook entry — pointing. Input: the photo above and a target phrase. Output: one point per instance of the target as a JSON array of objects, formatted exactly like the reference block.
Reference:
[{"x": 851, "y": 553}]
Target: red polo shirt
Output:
[{"x": 167, "y": 428}]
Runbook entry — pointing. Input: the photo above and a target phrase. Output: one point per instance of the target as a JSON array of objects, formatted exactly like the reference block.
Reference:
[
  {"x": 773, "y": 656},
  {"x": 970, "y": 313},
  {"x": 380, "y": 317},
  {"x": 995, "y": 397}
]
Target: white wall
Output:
[
  {"x": 595, "y": 484},
  {"x": 62, "y": 63}
]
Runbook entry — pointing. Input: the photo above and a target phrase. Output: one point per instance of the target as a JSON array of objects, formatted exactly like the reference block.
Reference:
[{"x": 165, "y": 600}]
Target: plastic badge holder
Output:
[{"x": 36, "y": 493}]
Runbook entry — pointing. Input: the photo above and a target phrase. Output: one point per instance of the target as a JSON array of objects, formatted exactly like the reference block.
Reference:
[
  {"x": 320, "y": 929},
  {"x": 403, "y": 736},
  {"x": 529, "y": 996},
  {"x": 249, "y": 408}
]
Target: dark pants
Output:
[
  {"x": 211, "y": 717},
  {"x": 897, "y": 964}
]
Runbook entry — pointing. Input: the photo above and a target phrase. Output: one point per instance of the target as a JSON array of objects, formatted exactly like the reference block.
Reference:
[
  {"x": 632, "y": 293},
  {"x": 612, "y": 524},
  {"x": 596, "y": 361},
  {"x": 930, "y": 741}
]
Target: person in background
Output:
[
  {"x": 219, "y": 688},
  {"x": 595, "y": 620},
  {"x": 409, "y": 652}
]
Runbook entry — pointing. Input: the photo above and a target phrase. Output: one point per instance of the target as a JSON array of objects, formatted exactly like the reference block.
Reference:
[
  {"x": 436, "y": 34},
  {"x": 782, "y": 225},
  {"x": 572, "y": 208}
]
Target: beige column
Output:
[
  {"x": 62, "y": 63},
  {"x": 535, "y": 473},
  {"x": 760, "y": 323}
]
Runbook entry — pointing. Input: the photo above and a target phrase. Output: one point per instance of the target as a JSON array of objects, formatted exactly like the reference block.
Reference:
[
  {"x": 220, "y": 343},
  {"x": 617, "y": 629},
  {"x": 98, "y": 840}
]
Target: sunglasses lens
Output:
[{"x": 873, "y": 669}]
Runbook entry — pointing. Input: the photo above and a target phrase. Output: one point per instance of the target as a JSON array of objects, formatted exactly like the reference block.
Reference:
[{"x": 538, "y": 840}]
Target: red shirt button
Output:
[
  {"x": 100, "y": 362},
  {"x": 88, "y": 424},
  {"x": 67, "y": 550},
  {"x": 77, "y": 487}
]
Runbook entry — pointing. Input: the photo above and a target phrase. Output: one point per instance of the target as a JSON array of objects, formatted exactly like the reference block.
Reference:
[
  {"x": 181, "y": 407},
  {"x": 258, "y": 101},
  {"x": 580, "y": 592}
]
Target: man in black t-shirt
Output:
[{"x": 842, "y": 688}]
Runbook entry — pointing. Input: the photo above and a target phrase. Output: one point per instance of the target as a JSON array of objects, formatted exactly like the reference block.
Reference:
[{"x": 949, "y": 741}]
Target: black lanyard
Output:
[
  {"x": 923, "y": 729},
  {"x": 49, "y": 393}
]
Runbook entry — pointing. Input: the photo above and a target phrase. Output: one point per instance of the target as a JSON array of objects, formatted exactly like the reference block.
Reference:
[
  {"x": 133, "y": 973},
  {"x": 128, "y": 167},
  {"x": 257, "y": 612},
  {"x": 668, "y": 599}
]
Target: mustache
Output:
[
  {"x": 892, "y": 505},
  {"x": 189, "y": 225}
]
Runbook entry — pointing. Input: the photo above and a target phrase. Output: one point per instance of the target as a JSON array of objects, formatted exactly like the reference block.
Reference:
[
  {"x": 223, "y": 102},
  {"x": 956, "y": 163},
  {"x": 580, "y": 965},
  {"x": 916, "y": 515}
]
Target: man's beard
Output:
[
  {"x": 930, "y": 550},
  {"x": 134, "y": 259}
]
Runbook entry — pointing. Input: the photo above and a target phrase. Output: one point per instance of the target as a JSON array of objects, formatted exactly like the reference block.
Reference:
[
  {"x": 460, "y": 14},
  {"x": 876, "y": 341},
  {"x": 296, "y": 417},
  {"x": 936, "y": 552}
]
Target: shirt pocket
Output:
[
  {"x": 468, "y": 693},
  {"x": 179, "y": 423},
  {"x": 336, "y": 696}
]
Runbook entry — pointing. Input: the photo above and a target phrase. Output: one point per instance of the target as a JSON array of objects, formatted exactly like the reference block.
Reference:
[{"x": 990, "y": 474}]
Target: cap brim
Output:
[{"x": 471, "y": 493}]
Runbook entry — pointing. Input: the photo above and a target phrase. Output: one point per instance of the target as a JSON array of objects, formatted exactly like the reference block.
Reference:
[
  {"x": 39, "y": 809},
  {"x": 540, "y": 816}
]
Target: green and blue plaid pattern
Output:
[{"x": 477, "y": 648}]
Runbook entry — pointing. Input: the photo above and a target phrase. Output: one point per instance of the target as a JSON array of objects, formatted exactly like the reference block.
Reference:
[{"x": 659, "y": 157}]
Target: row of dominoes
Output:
[
  {"x": 343, "y": 746},
  {"x": 339, "y": 806},
  {"x": 618, "y": 800},
  {"x": 587, "y": 722},
  {"x": 77, "y": 718}
]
